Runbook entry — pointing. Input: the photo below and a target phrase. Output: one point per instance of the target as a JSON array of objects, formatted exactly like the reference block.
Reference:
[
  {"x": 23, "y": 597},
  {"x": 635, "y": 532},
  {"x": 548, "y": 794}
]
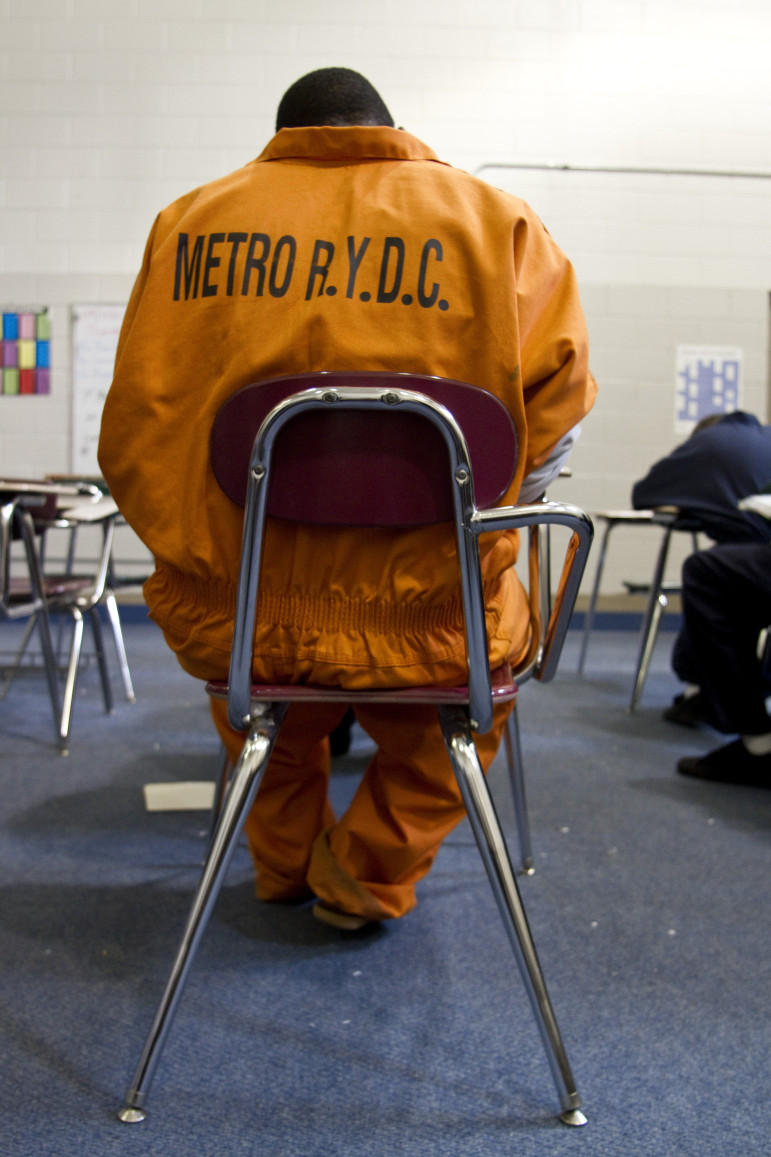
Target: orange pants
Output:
[{"x": 369, "y": 860}]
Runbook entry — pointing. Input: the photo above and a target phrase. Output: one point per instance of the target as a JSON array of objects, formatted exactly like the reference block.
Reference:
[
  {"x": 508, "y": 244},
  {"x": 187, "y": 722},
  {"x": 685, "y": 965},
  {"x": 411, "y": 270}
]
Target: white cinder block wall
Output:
[{"x": 112, "y": 108}]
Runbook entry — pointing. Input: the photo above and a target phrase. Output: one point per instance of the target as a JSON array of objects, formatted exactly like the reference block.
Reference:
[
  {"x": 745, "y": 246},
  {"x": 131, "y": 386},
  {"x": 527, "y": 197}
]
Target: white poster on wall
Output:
[
  {"x": 95, "y": 331},
  {"x": 708, "y": 380}
]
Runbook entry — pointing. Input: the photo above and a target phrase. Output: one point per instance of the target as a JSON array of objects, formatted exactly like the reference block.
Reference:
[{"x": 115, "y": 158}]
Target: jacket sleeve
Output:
[
  {"x": 678, "y": 479},
  {"x": 131, "y": 435},
  {"x": 656, "y": 488},
  {"x": 119, "y": 459},
  {"x": 558, "y": 389},
  {"x": 534, "y": 484}
]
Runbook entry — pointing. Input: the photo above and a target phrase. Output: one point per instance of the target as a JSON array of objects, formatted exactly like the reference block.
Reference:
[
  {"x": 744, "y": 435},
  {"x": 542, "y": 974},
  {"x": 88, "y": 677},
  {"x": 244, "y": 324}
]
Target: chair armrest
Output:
[{"x": 542, "y": 661}]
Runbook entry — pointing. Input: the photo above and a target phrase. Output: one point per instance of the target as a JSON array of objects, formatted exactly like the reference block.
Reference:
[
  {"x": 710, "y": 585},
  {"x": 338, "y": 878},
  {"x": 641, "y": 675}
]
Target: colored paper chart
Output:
[{"x": 26, "y": 352}]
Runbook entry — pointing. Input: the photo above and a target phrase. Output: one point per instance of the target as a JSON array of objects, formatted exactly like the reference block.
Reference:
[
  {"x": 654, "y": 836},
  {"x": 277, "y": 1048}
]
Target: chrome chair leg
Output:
[
  {"x": 590, "y": 610},
  {"x": 50, "y": 663},
  {"x": 76, "y": 646},
  {"x": 647, "y": 643},
  {"x": 101, "y": 658},
  {"x": 18, "y": 657},
  {"x": 650, "y": 625},
  {"x": 112, "y": 610},
  {"x": 220, "y": 792},
  {"x": 492, "y": 846},
  {"x": 517, "y": 781},
  {"x": 69, "y": 683},
  {"x": 266, "y": 720},
  {"x": 41, "y": 620},
  {"x": 49, "y": 658}
]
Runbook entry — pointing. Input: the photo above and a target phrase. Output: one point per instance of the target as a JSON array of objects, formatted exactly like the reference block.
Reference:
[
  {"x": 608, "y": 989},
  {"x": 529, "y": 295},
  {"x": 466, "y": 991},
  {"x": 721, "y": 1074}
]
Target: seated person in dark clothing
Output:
[
  {"x": 726, "y": 606},
  {"x": 727, "y": 457}
]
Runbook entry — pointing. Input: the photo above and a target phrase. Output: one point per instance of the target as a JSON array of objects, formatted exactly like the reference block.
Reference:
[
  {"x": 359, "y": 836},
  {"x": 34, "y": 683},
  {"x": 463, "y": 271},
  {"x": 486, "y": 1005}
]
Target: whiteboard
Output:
[{"x": 95, "y": 331}]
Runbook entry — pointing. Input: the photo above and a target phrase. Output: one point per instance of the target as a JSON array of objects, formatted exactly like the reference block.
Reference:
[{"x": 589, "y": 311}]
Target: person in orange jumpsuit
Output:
[{"x": 345, "y": 245}]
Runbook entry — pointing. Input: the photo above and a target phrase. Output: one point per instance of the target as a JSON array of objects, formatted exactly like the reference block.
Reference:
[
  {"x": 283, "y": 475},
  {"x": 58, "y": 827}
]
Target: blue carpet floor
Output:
[{"x": 649, "y": 907}]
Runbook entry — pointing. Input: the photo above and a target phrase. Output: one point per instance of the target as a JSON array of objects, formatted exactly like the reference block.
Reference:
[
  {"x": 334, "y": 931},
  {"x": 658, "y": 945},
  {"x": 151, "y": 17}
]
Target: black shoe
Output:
[
  {"x": 340, "y": 738},
  {"x": 730, "y": 764},
  {"x": 685, "y": 711}
]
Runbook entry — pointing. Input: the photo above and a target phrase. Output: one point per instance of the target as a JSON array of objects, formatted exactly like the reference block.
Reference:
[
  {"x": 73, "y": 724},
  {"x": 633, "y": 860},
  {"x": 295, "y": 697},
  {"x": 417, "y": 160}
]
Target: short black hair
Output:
[
  {"x": 709, "y": 420},
  {"x": 332, "y": 96}
]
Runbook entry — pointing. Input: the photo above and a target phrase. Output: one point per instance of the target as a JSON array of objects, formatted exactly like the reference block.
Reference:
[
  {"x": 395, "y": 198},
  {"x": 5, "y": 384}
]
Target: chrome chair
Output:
[
  {"x": 393, "y": 450},
  {"x": 670, "y": 521},
  {"x": 66, "y": 592},
  {"x": 102, "y": 514},
  {"x": 26, "y": 598}
]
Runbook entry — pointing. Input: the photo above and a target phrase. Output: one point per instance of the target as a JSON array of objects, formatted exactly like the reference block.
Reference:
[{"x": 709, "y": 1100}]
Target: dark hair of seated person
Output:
[{"x": 332, "y": 96}]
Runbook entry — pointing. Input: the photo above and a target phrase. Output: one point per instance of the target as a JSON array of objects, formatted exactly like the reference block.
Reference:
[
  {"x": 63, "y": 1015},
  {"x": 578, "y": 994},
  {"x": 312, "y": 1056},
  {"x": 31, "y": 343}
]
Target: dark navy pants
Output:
[{"x": 726, "y": 604}]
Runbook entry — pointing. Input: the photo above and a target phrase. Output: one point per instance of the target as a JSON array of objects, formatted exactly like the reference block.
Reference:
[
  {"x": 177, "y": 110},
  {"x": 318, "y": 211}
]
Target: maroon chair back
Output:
[{"x": 330, "y": 468}]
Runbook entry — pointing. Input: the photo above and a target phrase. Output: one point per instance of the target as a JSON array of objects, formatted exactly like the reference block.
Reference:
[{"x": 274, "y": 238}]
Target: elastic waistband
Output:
[{"x": 319, "y": 613}]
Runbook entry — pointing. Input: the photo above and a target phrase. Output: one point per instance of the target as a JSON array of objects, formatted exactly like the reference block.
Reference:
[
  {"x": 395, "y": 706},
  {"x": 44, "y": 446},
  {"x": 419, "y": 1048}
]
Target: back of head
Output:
[
  {"x": 733, "y": 417},
  {"x": 332, "y": 96},
  {"x": 707, "y": 423}
]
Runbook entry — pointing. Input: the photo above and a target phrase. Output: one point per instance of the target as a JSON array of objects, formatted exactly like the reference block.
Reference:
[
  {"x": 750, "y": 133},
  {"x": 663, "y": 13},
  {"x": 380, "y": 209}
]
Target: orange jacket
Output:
[{"x": 336, "y": 249}]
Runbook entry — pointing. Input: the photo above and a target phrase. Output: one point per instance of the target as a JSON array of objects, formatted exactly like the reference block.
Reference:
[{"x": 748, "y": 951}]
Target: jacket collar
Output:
[{"x": 357, "y": 142}]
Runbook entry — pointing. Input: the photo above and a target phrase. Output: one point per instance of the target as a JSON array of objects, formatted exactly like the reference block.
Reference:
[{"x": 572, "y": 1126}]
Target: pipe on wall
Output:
[{"x": 558, "y": 167}]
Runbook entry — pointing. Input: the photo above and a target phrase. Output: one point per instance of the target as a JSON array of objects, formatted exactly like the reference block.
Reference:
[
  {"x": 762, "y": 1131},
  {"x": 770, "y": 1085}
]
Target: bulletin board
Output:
[
  {"x": 26, "y": 350},
  {"x": 95, "y": 331},
  {"x": 708, "y": 380}
]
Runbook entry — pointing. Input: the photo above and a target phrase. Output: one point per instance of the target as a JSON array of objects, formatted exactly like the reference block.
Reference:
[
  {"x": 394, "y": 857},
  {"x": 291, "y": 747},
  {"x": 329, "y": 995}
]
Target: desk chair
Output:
[
  {"x": 669, "y": 520},
  {"x": 390, "y": 451},
  {"x": 104, "y": 514},
  {"x": 77, "y": 596},
  {"x": 25, "y": 598}
]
